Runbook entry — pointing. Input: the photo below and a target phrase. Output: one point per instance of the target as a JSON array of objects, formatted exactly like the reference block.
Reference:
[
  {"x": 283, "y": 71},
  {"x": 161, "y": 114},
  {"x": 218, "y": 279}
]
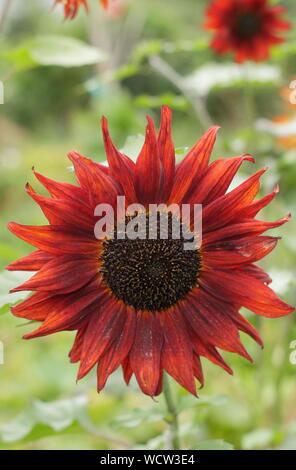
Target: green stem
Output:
[{"x": 172, "y": 418}]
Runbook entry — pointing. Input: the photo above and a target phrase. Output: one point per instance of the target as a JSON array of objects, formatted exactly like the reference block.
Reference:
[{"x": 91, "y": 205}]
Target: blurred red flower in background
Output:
[
  {"x": 71, "y": 7},
  {"x": 150, "y": 305},
  {"x": 246, "y": 27}
]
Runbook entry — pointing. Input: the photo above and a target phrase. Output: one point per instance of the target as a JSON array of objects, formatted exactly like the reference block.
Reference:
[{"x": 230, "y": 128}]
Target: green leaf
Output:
[
  {"x": 65, "y": 52},
  {"x": 61, "y": 51},
  {"x": 9, "y": 280},
  {"x": 188, "y": 401},
  {"x": 137, "y": 417},
  {"x": 215, "y": 444},
  {"x": 218, "y": 76},
  {"x": 257, "y": 439},
  {"x": 58, "y": 415}
]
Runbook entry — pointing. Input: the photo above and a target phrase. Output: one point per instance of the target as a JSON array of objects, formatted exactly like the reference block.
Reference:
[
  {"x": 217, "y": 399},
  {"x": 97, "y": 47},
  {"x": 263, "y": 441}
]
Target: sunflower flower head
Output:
[
  {"x": 248, "y": 28},
  {"x": 148, "y": 303}
]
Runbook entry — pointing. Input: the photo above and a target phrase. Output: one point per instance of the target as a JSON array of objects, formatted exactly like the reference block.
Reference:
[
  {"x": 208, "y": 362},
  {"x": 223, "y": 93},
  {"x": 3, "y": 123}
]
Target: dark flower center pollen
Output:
[
  {"x": 150, "y": 274},
  {"x": 247, "y": 25}
]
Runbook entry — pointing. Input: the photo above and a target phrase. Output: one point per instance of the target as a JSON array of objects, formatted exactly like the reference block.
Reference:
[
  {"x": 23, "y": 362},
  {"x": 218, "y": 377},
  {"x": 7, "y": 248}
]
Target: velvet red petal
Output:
[
  {"x": 217, "y": 179},
  {"x": 177, "y": 353},
  {"x": 61, "y": 190},
  {"x": 119, "y": 350},
  {"x": 120, "y": 166},
  {"x": 101, "y": 188},
  {"x": 246, "y": 228},
  {"x": 224, "y": 209},
  {"x": 56, "y": 239},
  {"x": 31, "y": 262},
  {"x": 166, "y": 150},
  {"x": 244, "y": 290},
  {"x": 62, "y": 275},
  {"x": 192, "y": 167},
  {"x": 66, "y": 310},
  {"x": 61, "y": 212},
  {"x": 149, "y": 171},
  {"x": 146, "y": 352},
  {"x": 234, "y": 253},
  {"x": 104, "y": 328}
]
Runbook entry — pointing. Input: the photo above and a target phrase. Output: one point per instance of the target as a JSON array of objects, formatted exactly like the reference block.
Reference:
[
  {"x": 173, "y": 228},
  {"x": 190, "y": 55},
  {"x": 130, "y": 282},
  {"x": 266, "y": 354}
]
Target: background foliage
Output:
[{"x": 59, "y": 78}]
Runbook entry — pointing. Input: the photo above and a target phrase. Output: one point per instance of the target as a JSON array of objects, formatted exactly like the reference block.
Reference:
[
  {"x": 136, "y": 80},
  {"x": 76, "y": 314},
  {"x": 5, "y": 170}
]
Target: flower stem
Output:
[{"x": 172, "y": 417}]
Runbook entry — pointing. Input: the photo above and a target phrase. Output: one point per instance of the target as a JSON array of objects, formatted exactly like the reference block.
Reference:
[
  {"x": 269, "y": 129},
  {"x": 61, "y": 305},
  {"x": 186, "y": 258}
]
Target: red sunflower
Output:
[
  {"x": 246, "y": 27},
  {"x": 149, "y": 305}
]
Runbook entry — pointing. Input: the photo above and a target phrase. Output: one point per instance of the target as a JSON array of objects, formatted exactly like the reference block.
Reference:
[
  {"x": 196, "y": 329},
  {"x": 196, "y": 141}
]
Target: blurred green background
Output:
[{"x": 56, "y": 89}]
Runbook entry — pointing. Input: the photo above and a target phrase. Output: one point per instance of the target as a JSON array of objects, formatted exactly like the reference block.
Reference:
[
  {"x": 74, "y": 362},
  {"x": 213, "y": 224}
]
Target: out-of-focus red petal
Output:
[
  {"x": 146, "y": 352},
  {"x": 256, "y": 272}
]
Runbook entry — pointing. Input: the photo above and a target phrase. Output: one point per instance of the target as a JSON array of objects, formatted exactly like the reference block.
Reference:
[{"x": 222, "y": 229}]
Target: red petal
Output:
[
  {"x": 101, "y": 188},
  {"x": 234, "y": 253},
  {"x": 121, "y": 167},
  {"x": 36, "y": 307},
  {"x": 166, "y": 150},
  {"x": 177, "y": 354},
  {"x": 224, "y": 209},
  {"x": 248, "y": 227},
  {"x": 148, "y": 172},
  {"x": 194, "y": 164},
  {"x": 244, "y": 290},
  {"x": 61, "y": 190},
  {"x": 62, "y": 275},
  {"x": 210, "y": 320},
  {"x": 56, "y": 239},
  {"x": 217, "y": 179},
  {"x": 103, "y": 329},
  {"x": 256, "y": 206},
  {"x": 64, "y": 311},
  {"x": 119, "y": 350},
  {"x": 146, "y": 352},
  {"x": 63, "y": 212},
  {"x": 75, "y": 353},
  {"x": 31, "y": 262}
]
